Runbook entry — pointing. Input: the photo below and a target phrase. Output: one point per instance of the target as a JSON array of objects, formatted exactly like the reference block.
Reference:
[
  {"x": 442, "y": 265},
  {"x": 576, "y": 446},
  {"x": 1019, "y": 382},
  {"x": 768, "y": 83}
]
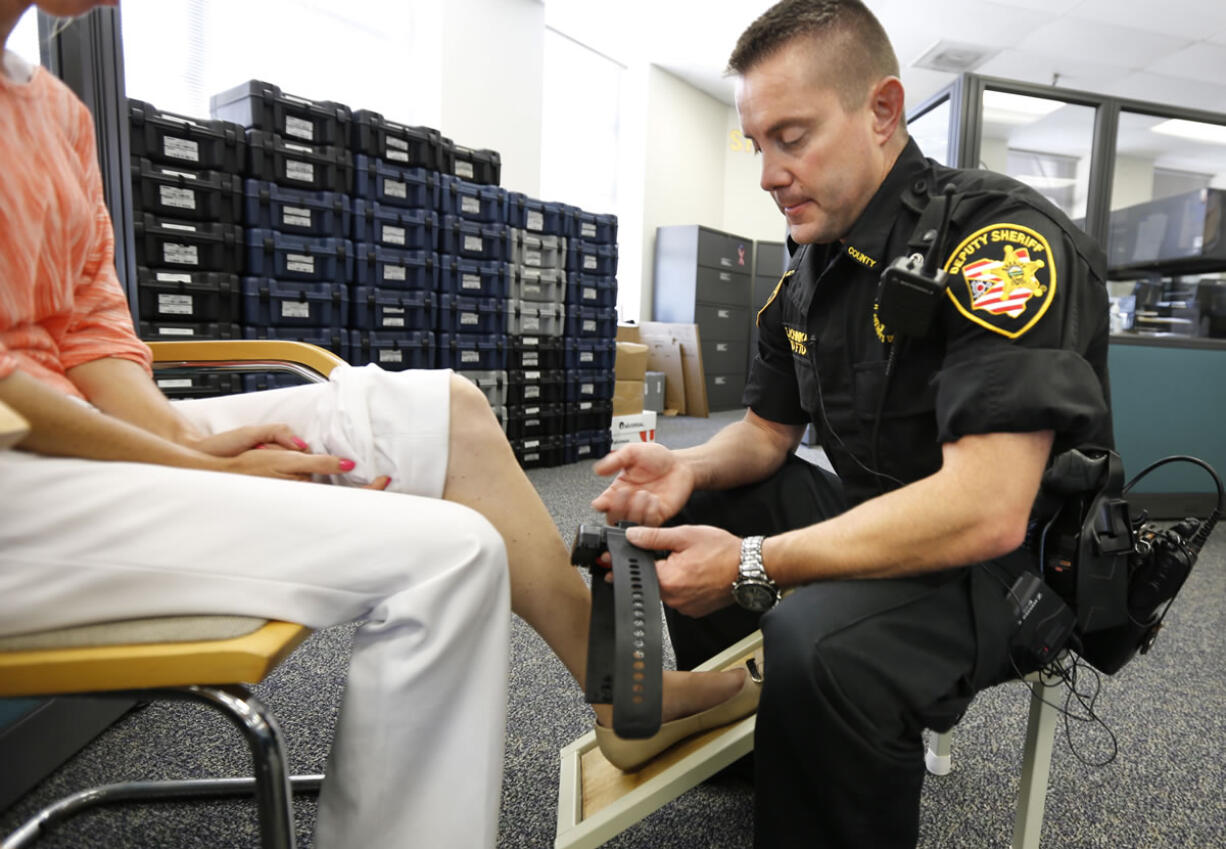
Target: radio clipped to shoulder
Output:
[{"x": 912, "y": 287}]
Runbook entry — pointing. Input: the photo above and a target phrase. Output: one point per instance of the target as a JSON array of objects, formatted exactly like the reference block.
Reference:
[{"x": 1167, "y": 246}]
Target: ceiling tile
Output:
[
  {"x": 1169, "y": 90},
  {"x": 1190, "y": 19},
  {"x": 1057, "y": 6},
  {"x": 1198, "y": 62},
  {"x": 1094, "y": 41},
  {"x": 1046, "y": 68}
]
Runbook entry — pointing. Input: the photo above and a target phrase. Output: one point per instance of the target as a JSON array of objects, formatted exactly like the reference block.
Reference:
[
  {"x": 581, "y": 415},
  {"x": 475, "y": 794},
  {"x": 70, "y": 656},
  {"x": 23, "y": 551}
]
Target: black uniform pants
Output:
[{"x": 854, "y": 671}]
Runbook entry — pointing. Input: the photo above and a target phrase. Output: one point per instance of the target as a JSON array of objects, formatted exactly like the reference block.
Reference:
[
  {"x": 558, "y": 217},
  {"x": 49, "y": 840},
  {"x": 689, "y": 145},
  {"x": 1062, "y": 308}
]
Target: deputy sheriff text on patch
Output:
[{"x": 1007, "y": 278}]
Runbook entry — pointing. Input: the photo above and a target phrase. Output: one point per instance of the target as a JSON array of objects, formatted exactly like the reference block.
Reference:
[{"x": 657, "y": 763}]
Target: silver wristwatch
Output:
[{"x": 753, "y": 589}]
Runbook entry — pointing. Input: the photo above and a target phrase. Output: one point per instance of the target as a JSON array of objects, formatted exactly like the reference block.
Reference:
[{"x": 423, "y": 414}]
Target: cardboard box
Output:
[
  {"x": 653, "y": 391},
  {"x": 637, "y": 428},
  {"x": 627, "y": 397},
  {"x": 628, "y": 333},
  {"x": 631, "y": 361},
  {"x": 687, "y": 391}
]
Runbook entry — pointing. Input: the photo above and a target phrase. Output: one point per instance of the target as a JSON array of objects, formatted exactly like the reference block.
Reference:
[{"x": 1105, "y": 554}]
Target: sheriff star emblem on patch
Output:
[{"x": 1008, "y": 275}]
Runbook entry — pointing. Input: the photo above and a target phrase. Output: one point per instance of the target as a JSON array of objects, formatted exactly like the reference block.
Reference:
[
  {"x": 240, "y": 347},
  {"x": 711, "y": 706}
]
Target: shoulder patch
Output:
[
  {"x": 774, "y": 294},
  {"x": 1003, "y": 278}
]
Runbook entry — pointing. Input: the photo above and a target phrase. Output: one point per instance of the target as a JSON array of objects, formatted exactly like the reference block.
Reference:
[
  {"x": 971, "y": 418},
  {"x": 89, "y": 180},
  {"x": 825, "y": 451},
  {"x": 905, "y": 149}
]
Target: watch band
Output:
[{"x": 751, "y": 557}]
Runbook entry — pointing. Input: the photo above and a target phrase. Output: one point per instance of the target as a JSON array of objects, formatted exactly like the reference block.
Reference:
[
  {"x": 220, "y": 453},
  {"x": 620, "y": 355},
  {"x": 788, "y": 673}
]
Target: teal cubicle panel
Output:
[{"x": 1170, "y": 398}]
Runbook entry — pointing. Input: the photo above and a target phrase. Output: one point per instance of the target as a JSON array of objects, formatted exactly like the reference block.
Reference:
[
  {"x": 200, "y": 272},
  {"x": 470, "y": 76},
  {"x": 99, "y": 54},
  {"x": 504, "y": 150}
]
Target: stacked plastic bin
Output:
[
  {"x": 591, "y": 327},
  {"x": 396, "y": 187},
  {"x": 535, "y": 324},
  {"x": 187, "y": 205},
  {"x": 298, "y": 260}
]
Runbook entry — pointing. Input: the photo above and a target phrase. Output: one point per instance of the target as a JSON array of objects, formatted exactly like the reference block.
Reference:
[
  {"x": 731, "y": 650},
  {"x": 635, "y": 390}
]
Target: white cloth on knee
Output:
[{"x": 419, "y": 744}]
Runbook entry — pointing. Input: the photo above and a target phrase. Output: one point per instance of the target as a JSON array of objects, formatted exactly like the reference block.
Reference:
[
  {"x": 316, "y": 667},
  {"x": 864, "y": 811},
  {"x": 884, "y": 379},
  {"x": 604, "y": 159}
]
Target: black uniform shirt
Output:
[{"x": 1018, "y": 344}]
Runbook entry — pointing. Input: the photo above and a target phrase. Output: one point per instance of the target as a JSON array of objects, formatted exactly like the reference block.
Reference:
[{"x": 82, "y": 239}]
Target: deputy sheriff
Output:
[{"x": 900, "y": 566}]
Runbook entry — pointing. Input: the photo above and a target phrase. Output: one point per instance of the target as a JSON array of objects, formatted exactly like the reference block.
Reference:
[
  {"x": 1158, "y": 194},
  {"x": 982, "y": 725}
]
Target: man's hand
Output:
[
  {"x": 696, "y": 578},
  {"x": 653, "y": 485}
]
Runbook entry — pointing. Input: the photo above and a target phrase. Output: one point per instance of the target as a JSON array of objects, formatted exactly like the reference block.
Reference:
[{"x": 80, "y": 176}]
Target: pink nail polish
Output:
[
  {"x": 300, "y": 443},
  {"x": 347, "y": 465}
]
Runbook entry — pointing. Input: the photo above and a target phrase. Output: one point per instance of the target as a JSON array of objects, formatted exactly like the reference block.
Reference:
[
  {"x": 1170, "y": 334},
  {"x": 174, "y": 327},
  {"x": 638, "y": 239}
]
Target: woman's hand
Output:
[{"x": 231, "y": 443}]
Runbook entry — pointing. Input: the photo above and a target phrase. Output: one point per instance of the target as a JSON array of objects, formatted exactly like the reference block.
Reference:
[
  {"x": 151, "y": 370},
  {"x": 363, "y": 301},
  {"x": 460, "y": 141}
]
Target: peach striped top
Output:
[{"x": 61, "y": 303}]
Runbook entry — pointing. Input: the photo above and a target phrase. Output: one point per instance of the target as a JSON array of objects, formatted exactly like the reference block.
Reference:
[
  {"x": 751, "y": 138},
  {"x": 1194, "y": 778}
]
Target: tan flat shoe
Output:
[{"x": 628, "y": 755}]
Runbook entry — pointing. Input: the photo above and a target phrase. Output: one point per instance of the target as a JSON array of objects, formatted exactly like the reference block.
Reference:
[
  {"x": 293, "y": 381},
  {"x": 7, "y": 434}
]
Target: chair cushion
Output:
[{"x": 162, "y": 629}]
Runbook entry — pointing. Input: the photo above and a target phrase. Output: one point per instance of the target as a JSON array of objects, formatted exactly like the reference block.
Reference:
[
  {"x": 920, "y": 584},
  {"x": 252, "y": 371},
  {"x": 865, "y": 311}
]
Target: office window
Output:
[
  {"x": 931, "y": 132},
  {"x": 579, "y": 125},
  {"x": 360, "y": 53},
  {"x": 24, "y": 39},
  {"x": 1043, "y": 142}
]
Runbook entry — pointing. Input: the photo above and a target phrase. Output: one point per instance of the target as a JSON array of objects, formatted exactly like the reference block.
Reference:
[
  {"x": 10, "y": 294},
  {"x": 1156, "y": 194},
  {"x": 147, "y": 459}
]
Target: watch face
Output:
[{"x": 756, "y": 597}]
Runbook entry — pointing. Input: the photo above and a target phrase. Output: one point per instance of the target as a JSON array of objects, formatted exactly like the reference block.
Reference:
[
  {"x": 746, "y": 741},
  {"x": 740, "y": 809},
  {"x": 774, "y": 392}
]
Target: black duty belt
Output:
[{"x": 625, "y": 652}]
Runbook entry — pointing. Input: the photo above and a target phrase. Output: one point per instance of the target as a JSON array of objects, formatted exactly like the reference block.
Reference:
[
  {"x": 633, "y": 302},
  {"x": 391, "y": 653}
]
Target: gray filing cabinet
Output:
[
  {"x": 703, "y": 277},
  {"x": 769, "y": 261}
]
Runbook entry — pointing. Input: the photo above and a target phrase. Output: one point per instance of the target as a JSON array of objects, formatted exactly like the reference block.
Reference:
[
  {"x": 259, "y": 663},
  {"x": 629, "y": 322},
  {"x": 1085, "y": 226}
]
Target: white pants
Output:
[{"x": 417, "y": 759}]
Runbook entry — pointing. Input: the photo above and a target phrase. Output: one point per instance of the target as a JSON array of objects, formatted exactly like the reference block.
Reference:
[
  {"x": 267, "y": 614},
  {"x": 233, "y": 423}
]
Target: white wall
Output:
[
  {"x": 683, "y": 173},
  {"x": 1132, "y": 182},
  {"x": 748, "y": 211},
  {"x": 492, "y": 58}
]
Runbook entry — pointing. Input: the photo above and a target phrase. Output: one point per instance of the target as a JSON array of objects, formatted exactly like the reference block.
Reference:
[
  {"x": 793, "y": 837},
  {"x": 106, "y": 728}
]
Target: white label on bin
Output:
[
  {"x": 531, "y": 289},
  {"x": 530, "y": 341},
  {"x": 299, "y": 128},
  {"x": 587, "y": 389},
  {"x": 531, "y": 458},
  {"x": 295, "y": 309},
  {"x": 723, "y": 260},
  {"x": 301, "y": 263},
  {"x": 587, "y": 231},
  {"x": 176, "y": 331},
  {"x": 174, "y": 383},
  {"x": 470, "y": 356},
  {"x": 723, "y": 313},
  {"x": 532, "y": 375},
  {"x": 720, "y": 380},
  {"x": 530, "y": 323},
  {"x": 390, "y": 321},
  {"x": 172, "y": 277},
  {"x": 300, "y": 148},
  {"x": 393, "y": 235},
  {"x": 725, "y": 277},
  {"x": 531, "y": 358},
  {"x": 589, "y": 326},
  {"x": 532, "y": 257},
  {"x": 474, "y": 243},
  {"x": 189, "y": 228},
  {"x": 186, "y": 175},
  {"x": 180, "y": 254},
  {"x": 464, "y": 169},
  {"x": 470, "y": 205},
  {"x": 180, "y": 149},
  {"x": 532, "y": 392},
  {"x": 395, "y": 188},
  {"x": 391, "y": 355},
  {"x": 178, "y": 198},
  {"x": 174, "y": 304},
  {"x": 587, "y": 356},
  {"x": 399, "y": 144},
  {"x": 396, "y": 155},
  {"x": 721, "y": 346},
  {"x": 470, "y": 281},
  {"x": 585, "y": 405},
  {"x": 584, "y": 450},
  {"x": 296, "y": 216},
  {"x": 296, "y": 169},
  {"x": 469, "y": 318},
  {"x": 589, "y": 263},
  {"x": 534, "y": 220},
  {"x": 532, "y": 411},
  {"x": 395, "y": 272},
  {"x": 590, "y": 294}
]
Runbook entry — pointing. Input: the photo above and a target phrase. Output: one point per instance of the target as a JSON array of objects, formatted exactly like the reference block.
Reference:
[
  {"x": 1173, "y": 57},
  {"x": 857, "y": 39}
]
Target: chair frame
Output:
[{"x": 271, "y": 785}]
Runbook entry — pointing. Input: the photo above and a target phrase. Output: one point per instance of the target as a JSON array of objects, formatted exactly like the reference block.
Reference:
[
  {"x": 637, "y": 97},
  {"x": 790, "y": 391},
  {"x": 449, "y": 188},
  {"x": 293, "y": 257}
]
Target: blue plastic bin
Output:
[
  {"x": 587, "y": 445},
  {"x": 305, "y": 213},
  {"x": 587, "y": 290},
  {"x": 394, "y": 226},
  {"x": 458, "y": 314},
  {"x": 394, "y": 350},
  {"x": 590, "y": 227},
  {"x": 473, "y": 278},
  {"x": 377, "y": 181},
  {"x": 535, "y": 216},
  {"x": 590, "y": 353},
  {"x": 591, "y": 323},
  {"x": 286, "y": 257},
  {"x": 472, "y": 201},
  {"x": 389, "y": 268},
  {"x": 473, "y": 240},
  {"x": 471, "y": 351},
  {"x": 589, "y": 385},
  {"x": 391, "y": 309},
  {"x": 590, "y": 258},
  {"x": 284, "y": 303}
]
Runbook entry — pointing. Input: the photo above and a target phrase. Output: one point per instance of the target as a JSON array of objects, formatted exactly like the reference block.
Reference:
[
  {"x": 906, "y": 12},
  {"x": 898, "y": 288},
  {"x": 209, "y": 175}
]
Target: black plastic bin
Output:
[
  {"x": 191, "y": 296},
  {"x": 297, "y": 165},
  {"x": 187, "y": 142},
  {"x": 175, "y": 192},
  {"x": 476, "y": 166},
  {"x": 178, "y": 331},
  {"x": 263, "y": 106},
  {"x": 187, "y": 245},
  {"x": 394, "y": 351},
  {"x": 412, "y": 147}
]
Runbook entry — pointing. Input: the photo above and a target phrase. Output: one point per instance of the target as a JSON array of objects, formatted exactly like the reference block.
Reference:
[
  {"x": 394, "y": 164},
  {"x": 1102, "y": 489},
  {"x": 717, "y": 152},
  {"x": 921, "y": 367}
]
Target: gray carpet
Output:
[{"x": 1167, "y": 788}]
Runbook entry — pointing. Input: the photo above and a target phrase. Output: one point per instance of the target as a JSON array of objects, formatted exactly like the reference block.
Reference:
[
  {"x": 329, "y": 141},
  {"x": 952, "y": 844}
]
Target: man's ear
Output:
[{"x": 886, "y": 104}]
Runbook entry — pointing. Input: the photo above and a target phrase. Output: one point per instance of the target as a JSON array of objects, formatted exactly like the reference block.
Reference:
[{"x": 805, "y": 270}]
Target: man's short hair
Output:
[{"x": 854, "y": 45}]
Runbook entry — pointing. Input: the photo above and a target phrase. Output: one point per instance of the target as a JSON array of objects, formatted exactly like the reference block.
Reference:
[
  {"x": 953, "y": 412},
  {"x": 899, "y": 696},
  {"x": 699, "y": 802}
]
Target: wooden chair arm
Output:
[{"x": 206, "y": 352}]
